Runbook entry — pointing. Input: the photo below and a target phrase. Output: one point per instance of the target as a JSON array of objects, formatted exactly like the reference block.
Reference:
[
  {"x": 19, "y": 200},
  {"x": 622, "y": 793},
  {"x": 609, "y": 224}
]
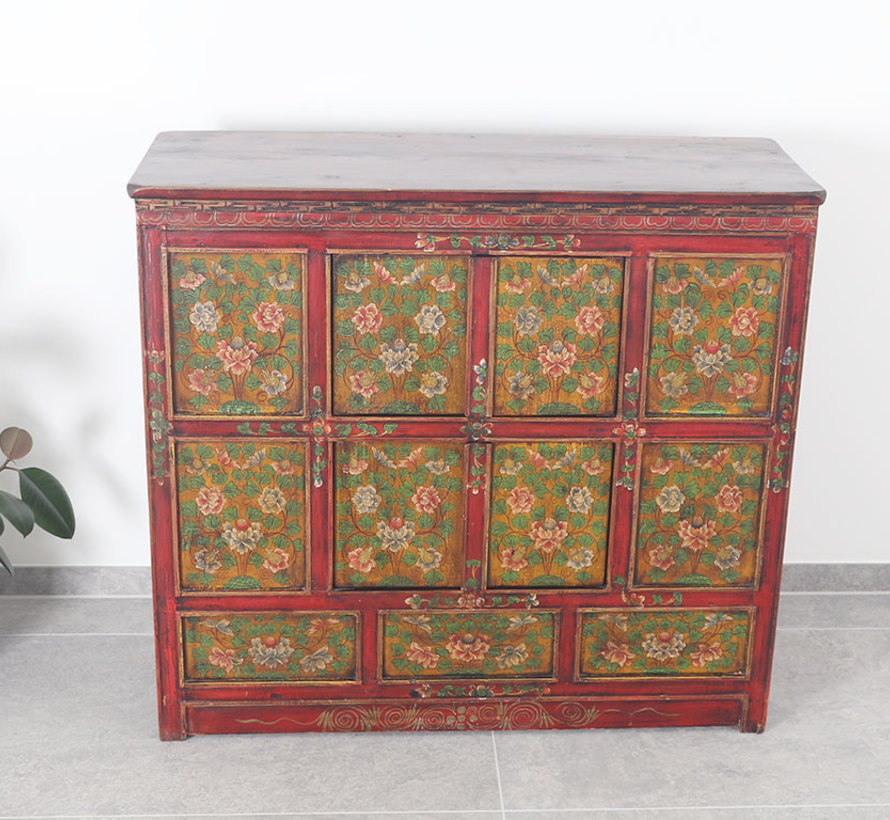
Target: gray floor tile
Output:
[
  {"x": 827, "y": 743},
  {"x": 386, "y": 815},
  {"x": 713, "y": 813},
  {"x": 836, "y": 577},
  {"x": 53, "y": 614},
  {"x": 803, "y": 611},
  {"x": 77, "y": 581}
]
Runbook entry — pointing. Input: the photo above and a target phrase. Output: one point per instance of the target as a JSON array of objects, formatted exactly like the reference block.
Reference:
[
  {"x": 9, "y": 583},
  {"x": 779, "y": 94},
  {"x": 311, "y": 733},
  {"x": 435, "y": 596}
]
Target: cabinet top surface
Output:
[{"x": 282, "y": 162}]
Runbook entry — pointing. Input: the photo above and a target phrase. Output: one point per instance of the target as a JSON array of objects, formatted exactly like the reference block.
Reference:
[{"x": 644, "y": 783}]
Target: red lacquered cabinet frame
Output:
[{"x": 464, "y": 432}]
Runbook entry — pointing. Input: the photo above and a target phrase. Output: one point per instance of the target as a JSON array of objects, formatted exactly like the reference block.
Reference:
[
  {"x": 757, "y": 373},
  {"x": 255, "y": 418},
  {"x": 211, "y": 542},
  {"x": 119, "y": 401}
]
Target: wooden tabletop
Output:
[{"x": 202, "y": 162}]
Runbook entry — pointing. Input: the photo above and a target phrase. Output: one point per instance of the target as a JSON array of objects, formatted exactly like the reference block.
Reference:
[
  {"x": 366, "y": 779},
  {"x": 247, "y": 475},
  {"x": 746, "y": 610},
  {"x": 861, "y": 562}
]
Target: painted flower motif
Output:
[
  {"x": 204, "y": 317},
  {"x": 727, "y": 557},
  {"x": 556, "y": 359},
  {"x": 355, "y": 465},
  {"x": 222, "y": 658},
  {"x": 467, "y": 648},
  {"x": 396, "y": 535},
  {"x": 512, "y": 656},
  {"x": 521, "y": 500},
  {"x": 618, "y": 653},
  {"x": 320, "y": 625},
  {"x": 744, "y": 467},
  {"x": 706, "y": 653},
  {"x": 590, "y": 385},
  {"x": 284, "y": 467},
  {"x": 711, "y": 358},
  {"x": 662, "y": 557},
  {"x": 399, "y": 357},
  {"x": 683, "y": 321},
  {"x": 237, "y": 356},
  {"x": 580, "y": 558},
  {"x": 576, "y": 278},
  {"x": 663, "y": 645},
  {"x": 742, "y": 384},
  {"x": 519, "y": 621},
  {"x": 673, "y": 284},
  {"x": 729, "y": 499},
  {"x": 367, "y": 319},
  {"x": 272, "y": 382},
  {"x": 361, "y": 559},
  {"x": 268, "y": 317},
  {"x": 383, "y": 273},
  {"x": 366, "y": 500},
  {"x": 521, "y": 385},
  {"x": 210, "y": 501},
  {"x": 604, "y": 286},
  {"x": 272, "y": 500},
  {"x": 422, "y": 655},
  {"x": 579, "y": 500},
  {"x": 516, "y": 284},
  {"x": 242, "y": 536},
  {"x": 430, "y": 320},
  {"x": 744, "y": 322},
  {"x": 527, "y": 321},
  {"x": 660, "y": 466},
  {"x": 317, "y": 661},
  {"x": 438, "y": 467},
  {"x": 670, "y": 499},
  {"x": 510, "y": 466},
  {"x": 256, "y": 459},
  {"x": 192, "y": 280},
  {"x": 278, "y": 561},
  {"x": 415, "y": 276},
  {"x": 207, "y": 560},
  {"x": 281, "y": 281},
  {"x": 364, "y": 383},
  {"x": 593, "y": 466},
  {"x": 513, "y": 560},
  {"x": 428, "y": 558},
  {"x": 426, "y": 242},
  {"x": 589, "y": 320},
  {"x": 674, "y": 384},
  {"x": 548, "y": 534},
  {"x": 355, "y": 282},
  {"x": 762, "y": 286},
  {"x": 695, "y": 535},
  {"x": 202, "y": 380},
  {"x": 443, "y": 283},
  {"x": 270, "y": 652},
  {"x": 433, "y": 384},
  {"x": 537, "y": 460},
  {"x": 426, "y": 500}
]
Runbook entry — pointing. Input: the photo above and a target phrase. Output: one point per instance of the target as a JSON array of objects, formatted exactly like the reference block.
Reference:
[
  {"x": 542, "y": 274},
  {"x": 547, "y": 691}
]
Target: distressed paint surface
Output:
[
  {"x": 400, "y": 325},
  {"x": 236, "y": 326},
  {"x": 549, "y": 514},
  {"x": 557, "y": 336},
  {"x": 242, "y": 513}
]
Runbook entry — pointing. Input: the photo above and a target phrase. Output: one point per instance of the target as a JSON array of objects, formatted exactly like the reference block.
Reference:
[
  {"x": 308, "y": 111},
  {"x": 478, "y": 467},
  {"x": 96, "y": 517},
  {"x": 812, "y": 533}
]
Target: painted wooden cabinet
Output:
[{"x": 453, "y": 432}]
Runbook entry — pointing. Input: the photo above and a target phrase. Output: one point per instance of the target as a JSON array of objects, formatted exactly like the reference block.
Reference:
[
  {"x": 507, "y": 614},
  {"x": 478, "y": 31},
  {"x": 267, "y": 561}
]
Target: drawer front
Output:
[
  {"x": 400, "y": 325},
  {"x": 713, "y": 335},
  {"x": 557, "y": 336},
  {"x": 699, "y": 514},
  {"x": 270, "y": 646},
  {"x": 663, "y": 643},
  {"x": 242, "y": 513},
  {"x": 549, "y": 514},
  {"x": 507, "y": 644},
  {"x": 236, "y": 326}
]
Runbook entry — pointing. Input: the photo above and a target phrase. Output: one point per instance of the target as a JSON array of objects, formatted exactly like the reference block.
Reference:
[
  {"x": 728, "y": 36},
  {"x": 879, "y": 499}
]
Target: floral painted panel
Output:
[
  {"x": 713, "y": 335},
  {"x": 291, "y": 646},
  {"x": 236, "y": 322},
  {"x": 399, "y": 514},
  {"x": 698, "y": 514},
  {"x": 505, "y": 643},
  {"x": 400, "y": 325},
  {"x": 242, "y": 509},
  {"x": 549, "y": 514},
  {"x": 656, "y": 643},
  {"x": 558, "y": 328}
]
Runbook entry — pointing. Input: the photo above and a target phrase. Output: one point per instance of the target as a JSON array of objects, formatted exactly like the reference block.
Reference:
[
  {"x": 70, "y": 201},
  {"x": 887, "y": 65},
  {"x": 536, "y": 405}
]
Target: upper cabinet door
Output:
[
  {"x": 713, "y": 335},
  {"x": 557, "y": 336},
  {"x": 237, "y": 332},
  {"x": 400, "y": 334}
]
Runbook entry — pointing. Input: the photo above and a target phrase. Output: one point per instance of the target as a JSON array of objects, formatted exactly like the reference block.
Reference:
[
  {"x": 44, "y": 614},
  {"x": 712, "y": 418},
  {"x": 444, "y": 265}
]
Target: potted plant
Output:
[{"x": 43, "y": 503}]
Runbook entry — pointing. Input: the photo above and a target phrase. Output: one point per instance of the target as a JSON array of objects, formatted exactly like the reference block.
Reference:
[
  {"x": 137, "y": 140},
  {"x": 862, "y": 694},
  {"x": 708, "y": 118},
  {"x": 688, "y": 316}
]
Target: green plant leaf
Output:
[
  {"x": 4, "y": 558},
  {"x": 48, "y": 500},
  {"x": 17, "y": 512}
]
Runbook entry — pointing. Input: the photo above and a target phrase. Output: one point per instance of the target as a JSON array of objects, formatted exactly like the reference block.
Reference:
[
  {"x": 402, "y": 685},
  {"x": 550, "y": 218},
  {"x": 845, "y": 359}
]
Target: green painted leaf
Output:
[
  {"x": 694, "y": 580},
  {"x": 239, "y": 407},
  {"x": 557, "y": 408},
  {"x": 48, "y": 501},
  {"x": 708, "y": 408},
  {"x": 243, "y": 582}
]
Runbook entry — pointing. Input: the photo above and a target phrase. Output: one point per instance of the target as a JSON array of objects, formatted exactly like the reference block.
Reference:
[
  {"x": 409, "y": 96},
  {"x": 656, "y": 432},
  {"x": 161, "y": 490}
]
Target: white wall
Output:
[{"x": 84, "y": 87}]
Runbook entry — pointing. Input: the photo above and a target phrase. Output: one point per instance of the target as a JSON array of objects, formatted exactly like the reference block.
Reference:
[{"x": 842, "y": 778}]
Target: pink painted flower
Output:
[
  {"x": 210, "y": 501},
  {"x": 706, "y": 653},
  {"x": 284, "y": 467},
  {"x": 383, "y": 273},
  {"x": 224, "y": 459},
  {"x": 661, "y": 556},
  {"x": 576, "y": 278},
  {"x": 317, "y": 625},
  {"x": 549, "y": 534},
  {"x": 517, "y": 284},
  {"x": 202, "y": 380},
  {"x": 422, "y": 655},
  {"x": 367, "y": 319},
  {"x": 513, "y": 560},
  {"x": 660, "y": 466},
  {"x": 443, "y": 283},
  {"x": 695, "y": 535},
  {"x": 237, "y": 356},
  {"x": 742, "y": 384},
  {"x": 467, "y": 648},
  {"x": 738, "y": 272},
  {"x": 192, "y": 280},
  {"x": 537, "y": 460},
  {"x": 729, "y": 499},
  {"x": 744, "y": 322},
  {"x": 556, "y": 359},
  {"x": 589, "y": 320},
  {"x": 364, "y": 383},
  {"x": 673, "y": 285},
  {"x": 426, "y": 500},
  {"x": 277, "y": 562},
  {"x": 593, "y": 466},
  {"x": 268, "y": 317},
  {"x": 361, "y": 559},
  {"x": 222, "y": 658},
  {"x": 521, "y": 500},
  {"x": 590, "y": 385},
  {"x": 620, "y": 653}
]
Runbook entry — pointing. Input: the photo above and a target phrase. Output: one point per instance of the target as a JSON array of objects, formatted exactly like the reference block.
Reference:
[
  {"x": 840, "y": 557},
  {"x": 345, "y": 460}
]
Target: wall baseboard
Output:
[{"x": 101, "y": 581}]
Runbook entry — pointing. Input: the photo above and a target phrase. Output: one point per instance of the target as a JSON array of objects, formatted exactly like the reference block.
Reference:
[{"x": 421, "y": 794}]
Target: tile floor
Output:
[{"x": 78, "y": 739}]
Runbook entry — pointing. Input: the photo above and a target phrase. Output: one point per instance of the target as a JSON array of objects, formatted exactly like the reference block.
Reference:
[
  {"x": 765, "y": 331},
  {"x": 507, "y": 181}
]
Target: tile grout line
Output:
[
  {"x": 687, "y": 809},
  {"x": 497, "y": 772},
  {"x": 252, "y": 815}
]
